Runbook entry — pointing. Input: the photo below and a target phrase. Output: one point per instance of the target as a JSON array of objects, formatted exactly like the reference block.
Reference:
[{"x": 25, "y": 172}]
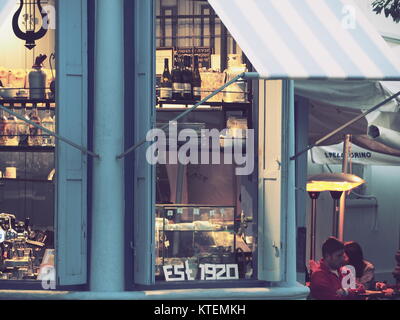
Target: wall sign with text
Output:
[{"x": 203, "y": 53}]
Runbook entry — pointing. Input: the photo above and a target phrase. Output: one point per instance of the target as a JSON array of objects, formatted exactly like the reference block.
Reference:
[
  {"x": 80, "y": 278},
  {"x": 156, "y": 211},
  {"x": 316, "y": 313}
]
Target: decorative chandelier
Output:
[{"x": 30, "y": 35}]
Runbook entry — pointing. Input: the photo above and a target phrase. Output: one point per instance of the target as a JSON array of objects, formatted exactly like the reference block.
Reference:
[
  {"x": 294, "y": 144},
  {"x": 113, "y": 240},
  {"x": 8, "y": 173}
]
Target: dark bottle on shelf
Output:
[
  {"x": 166, "y": 82},
  {"x": 196, "y": 81},
  {"x": 177, "y": 82},
  {"x": 35, "y": 134},
  {"x": 3, "y": 122},
  {"x": 187, "y": 79},
  {"x": 23, "y": 129}
]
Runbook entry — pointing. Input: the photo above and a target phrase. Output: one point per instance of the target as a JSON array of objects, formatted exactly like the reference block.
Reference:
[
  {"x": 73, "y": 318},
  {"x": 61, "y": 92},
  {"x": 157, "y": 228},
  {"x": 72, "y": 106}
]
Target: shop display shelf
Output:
[
  {"x": 41, "y": 149},
  {"x": 25, "y": 180},
  {"x": 186, "y": 104},
  {"x": 24, "y": 103}
]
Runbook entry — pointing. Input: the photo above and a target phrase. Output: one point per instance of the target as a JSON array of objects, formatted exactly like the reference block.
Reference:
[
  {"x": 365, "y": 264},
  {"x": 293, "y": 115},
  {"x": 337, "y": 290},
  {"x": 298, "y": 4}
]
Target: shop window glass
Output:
[
  {"x": 206, "y": 215},
  {"x": 27, "y": 162}
]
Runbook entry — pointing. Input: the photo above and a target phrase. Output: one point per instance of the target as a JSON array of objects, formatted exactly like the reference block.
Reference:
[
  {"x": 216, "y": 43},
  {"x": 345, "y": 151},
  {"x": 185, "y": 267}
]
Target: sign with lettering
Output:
[
  {"x": 204, "y": 54},
  {"x": 333, "y": 154},
  {"x": 208, "y": 271}
]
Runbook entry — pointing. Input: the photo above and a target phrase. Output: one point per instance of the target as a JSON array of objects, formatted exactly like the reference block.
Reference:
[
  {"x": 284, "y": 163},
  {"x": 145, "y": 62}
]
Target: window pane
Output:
[
  {"x": 205, "y": 213},
  {"x": 27, "y": 164}
]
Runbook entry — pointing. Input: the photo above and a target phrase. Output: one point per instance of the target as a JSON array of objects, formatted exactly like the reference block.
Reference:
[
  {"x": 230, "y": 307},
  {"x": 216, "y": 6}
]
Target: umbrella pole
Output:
[{"x": 340, "y": 223}]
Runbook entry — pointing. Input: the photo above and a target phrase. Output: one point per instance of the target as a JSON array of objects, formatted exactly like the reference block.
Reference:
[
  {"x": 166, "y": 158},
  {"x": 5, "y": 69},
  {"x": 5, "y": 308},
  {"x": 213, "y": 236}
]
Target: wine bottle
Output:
[
  {"x": 23, "y": 129},
  {"x": 177, "y": 84},
  {"x": 166, "y": 82},
  {"x": 35, "y": 134},
  {"x": 3, "y": 122},
  {"x": 187, "y": 79},
  {"x": 196, "y": 82}
]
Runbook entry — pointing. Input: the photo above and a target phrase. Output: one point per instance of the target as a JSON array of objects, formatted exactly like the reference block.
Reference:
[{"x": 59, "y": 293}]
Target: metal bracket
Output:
[
  {"x": 331, "y": 134},
  {"x": 244, "y": 75}
]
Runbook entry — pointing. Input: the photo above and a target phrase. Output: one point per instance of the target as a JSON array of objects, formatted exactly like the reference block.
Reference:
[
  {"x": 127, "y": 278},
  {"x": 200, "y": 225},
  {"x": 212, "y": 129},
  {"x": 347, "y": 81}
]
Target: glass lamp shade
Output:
[{"x": 333, "y": 182}]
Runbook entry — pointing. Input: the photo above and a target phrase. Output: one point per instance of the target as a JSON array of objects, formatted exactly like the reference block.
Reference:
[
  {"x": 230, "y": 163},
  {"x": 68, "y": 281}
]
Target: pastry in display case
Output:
[{"x": 196, "y": 236}]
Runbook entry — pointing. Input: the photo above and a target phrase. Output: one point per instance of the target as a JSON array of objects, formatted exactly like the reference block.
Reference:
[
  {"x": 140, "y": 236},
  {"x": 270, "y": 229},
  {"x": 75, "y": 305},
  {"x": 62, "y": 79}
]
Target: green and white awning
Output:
[{"x": 308, "y": 39}]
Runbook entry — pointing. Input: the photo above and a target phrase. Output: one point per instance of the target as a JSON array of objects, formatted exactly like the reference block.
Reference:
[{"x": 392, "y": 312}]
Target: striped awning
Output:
[{"x": 308, "y": 39}]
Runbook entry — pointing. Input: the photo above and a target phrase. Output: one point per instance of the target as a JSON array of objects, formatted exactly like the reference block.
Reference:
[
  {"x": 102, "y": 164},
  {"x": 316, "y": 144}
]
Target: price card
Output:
[
  {"x": 196, "y": 211},
  {"x": 170, "y": 213},
  {"x": 180, "y": 210}
]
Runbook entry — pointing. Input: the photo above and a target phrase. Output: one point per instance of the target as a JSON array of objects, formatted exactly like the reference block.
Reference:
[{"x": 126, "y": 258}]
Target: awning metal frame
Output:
[
  {"x": 257, "y": 76},
  {"x": 244, "y": 75},
  {"x": 51, "y": 133},
  {"x": 346, "y": 125}
]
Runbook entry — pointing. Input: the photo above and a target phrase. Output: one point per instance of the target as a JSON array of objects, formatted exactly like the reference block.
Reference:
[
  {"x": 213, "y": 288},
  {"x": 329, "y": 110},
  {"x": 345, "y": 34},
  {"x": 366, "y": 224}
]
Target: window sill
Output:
[{"x": 295, "y": 292}]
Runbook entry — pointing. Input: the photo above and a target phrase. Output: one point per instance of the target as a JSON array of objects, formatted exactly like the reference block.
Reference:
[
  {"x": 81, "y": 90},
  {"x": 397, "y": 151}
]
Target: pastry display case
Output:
[{"x": 198, "y": 235}]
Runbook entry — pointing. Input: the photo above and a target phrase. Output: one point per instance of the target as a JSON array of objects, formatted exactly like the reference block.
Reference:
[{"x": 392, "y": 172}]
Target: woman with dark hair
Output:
[{"x": 365, "y": 271}]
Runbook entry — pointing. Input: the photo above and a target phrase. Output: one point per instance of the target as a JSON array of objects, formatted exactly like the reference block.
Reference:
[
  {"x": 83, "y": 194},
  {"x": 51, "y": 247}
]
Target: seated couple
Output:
[{"x": 330, "y": 278}]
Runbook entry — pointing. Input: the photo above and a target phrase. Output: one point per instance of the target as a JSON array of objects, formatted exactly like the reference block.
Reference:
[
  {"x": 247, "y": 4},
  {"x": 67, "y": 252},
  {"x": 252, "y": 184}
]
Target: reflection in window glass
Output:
[
  {"x": 27, "y": 165},
  {"x": 205, "y": 213}
]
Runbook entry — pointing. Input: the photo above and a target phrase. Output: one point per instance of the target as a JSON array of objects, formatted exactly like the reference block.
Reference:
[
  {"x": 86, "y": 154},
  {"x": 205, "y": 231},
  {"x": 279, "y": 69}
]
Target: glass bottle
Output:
[
  {"x": 166, "y": 82},
  {"x": 196, "y": 80},
  {"x": 187, "y": 79},
  {"x": 48, "y": 123},
  {"x": 3, "y": 121},
  {"x": 11, "y": 131},
  {"x": 177, "y": 82},
  {"x": 23, "y": 129},
  {"x": 35, "y": 134}
]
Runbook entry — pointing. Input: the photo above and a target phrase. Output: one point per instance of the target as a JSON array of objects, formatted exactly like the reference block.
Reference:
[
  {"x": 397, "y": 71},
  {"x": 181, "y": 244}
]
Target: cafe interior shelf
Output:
[
  {"x": 27, "y": 149},
  {"x": 207, "y": 105},
  {"x": 24, "y": 180},
  {"x": 28, "y": 103}
]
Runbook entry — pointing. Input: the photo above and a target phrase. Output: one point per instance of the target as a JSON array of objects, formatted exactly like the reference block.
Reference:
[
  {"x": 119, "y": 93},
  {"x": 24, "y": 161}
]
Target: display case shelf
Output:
[
  {"x": 24, "y": 103},
  {"x": 214, "y": 104},
  {"x": 25, "y": 180},
  {"x": 42, "y": 149}
]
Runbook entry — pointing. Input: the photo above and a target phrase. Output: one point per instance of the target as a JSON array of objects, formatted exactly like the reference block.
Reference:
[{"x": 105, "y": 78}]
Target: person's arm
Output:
[
  {"x": 367, "y": 277},
  {"x": 321, "y": 288}
]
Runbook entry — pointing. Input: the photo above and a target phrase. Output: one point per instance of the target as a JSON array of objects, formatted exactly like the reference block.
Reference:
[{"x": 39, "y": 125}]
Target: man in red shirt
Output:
[{"x": 326, "y": 279}]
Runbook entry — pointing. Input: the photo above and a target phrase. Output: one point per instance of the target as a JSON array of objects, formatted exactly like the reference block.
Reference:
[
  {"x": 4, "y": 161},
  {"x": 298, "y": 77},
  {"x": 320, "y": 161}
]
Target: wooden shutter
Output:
[
  {"x": 71, "y": 195},
  {"x": 144, "y": 102},
  {"x": 270, "y": 181}
]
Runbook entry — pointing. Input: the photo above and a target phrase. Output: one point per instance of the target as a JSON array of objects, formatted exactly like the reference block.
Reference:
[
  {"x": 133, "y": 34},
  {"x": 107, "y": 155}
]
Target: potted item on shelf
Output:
[
  {"x": 236, "y": 92},
  {"x": 236, "y": 131},
  {"x": 37, "y": 79},
  {"x": 211, "y": 81}
]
